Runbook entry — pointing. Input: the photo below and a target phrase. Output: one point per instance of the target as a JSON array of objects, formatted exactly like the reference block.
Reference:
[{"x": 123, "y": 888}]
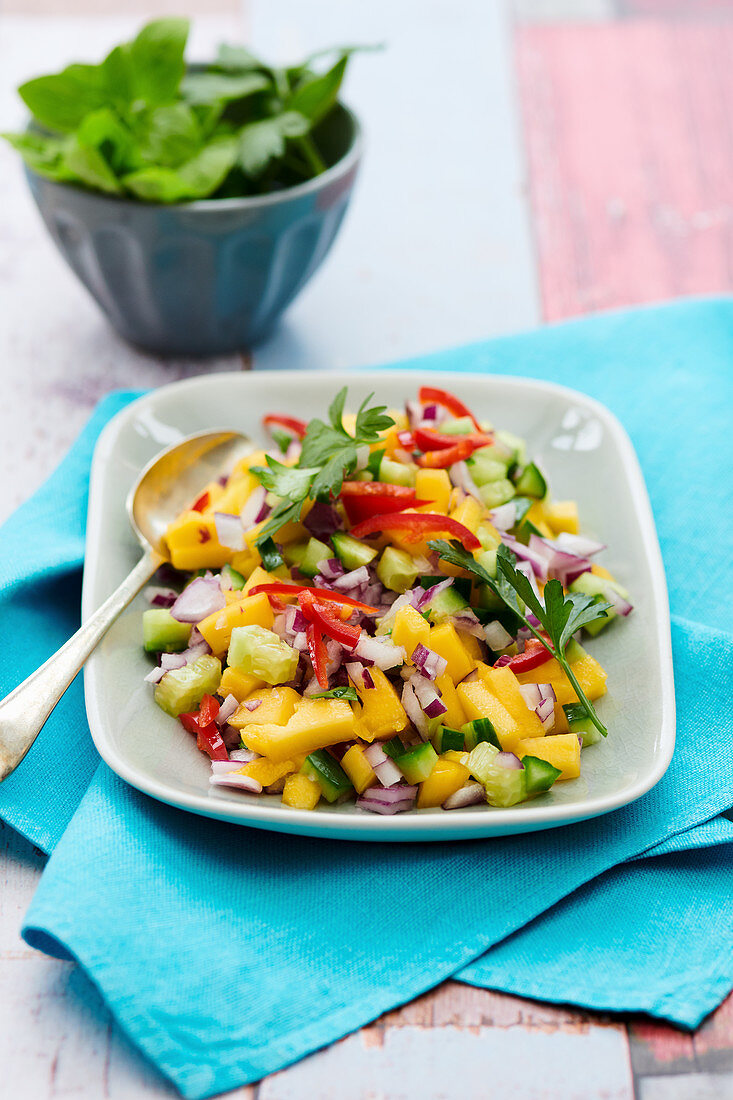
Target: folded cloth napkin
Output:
[{"x": 227, "y": 953}]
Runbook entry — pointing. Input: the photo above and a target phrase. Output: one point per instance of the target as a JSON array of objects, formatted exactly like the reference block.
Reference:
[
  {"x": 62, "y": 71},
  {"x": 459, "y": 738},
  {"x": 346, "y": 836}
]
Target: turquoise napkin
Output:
[{"x": 226, "y": 953}]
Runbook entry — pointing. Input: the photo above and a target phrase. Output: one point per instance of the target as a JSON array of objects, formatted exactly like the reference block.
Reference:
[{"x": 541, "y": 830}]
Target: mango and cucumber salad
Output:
[{"x": 384, "y": 607}]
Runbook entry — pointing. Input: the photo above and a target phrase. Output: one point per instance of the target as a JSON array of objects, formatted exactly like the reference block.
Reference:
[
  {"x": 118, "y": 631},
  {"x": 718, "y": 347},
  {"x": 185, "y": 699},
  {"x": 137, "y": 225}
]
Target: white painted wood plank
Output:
[
  {"x": 436, "y": 248},
  {"x": 515, "y": 1063}
]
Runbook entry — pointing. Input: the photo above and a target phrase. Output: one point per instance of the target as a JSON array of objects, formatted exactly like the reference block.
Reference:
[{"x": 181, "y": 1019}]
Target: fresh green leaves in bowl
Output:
[{"x": 144, "y": 126}]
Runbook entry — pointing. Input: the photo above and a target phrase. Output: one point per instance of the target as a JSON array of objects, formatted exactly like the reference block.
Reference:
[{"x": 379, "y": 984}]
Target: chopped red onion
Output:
[
  {"x": 428, "y": 596},
  {"x": 202, "y": 597},
  {"x": 525, "y": 568},
  {"x": 360, "y": 676},
  {"x": 322, "y": 520},
  {"x": 429, "y": 663},
  {"x": 580, "y": 545},
  {"x": 221, "y": 767},
  {"x": 255, "y": 505},
  {"x": 194, "y": 652},
  {"x": 501, "y": 661},
  {"x": 392, "y": 800},
  {"x": 460, "y": 476},
  {"x": 413, "y": 710},
  {"x": 559, "y": 564},
  {"x": 380, "y": 653},
  {"x": 620, "y": 605},
  {"x": 508, "y": 760},
  {"x": 357, "y": 578},
  {"x": 504, "y": 517},
  {"x": 537, "y": 557},
  {"x": 295, "y": 621},
  {"x": 467, "y": 621},
  {"x": 300, "y": 641},
  {"x": 160, "y": 597},
  {"x": 407, "y": 599},
  {"x": 470, "y": 795},
  {"x": 384, "y": 767},
  {"x": 229, "y": 530},
  {"x": 226, "y": 710},
  {"x": 330, "y": 569},
  {"x": 237, "y": 781},
  {"x": 546, "y": 714},
  {"x": 362, "y": 457},
  {"x": 428, "y": 696},
  {"x": 245, "y": 756},
  {"x": 496, "y": 636},
  {"x": 531, "y": 695}
]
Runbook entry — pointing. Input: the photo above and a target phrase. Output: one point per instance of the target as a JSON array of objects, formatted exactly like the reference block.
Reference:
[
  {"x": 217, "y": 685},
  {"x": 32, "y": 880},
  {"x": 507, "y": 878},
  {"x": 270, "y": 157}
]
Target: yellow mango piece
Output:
[
  {"x": 591, "y": 677},
  {"x": 478, "y": 702},
  {"x": 267, "y": 772},
  {"x": 215, "y": 492},
  {"x": 245, "y": 562},
  {"x": 489, "y": 536},
  {"x": 409, "y": 630},
  {"x": 562, "y": 750},
  {"x": 239, "y": 684},
  {"x": 238, "y": 489},
  {"x": 445, "y": 779},
  {"x": 445, "y": 641},
  {"x": 380, "y": 714},
  {"x": 315, "y": 724},
  {"x": 454, "y": 716},
  {"x": 251, "y": 611},
  {"x": 471, "y": 644},
  {"x": 470, "y": 513},
  {"x": 563, "y": 516},
  {"x": 434, "y": 486},
  {"x": 301, "y": 792},
  {"x": 193, "y": 544},
  {"x": 601, "y": 571},
  {"x": 257, "y": 576},
  {"x": 277, "y": 705},
  {"x": 456, "y": 756},
  {"x": 502, "y": 683},
  {"x": 256, "y": 458},
  {"x": 358, "y": 768}
]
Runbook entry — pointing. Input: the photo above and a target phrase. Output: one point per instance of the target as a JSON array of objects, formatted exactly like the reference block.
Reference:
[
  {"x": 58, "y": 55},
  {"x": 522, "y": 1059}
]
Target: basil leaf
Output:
[
  {"x": 264, "y": 141},
  {"x": 237, "y": 59},
  {"x": 89, "y": 165},
  {"x": 61, "y": 101},
  {"x": 156, "y": 60},
  {"x": 195, "y": 179},
  {"x": 202, "y": 88},
  {"x": 42, "y": 154},
  {"x": 172, "y": 135},
  {"x": 314, "y": 96}
]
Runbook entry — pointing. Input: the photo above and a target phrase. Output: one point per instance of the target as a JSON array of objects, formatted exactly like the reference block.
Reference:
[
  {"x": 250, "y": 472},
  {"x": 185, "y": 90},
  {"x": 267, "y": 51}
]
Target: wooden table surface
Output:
[{"x": 581, "y": 159}]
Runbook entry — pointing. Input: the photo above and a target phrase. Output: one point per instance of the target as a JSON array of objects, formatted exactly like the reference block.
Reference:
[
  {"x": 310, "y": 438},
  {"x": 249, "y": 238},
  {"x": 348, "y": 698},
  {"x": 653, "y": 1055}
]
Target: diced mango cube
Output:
[
  {"x": 238, "y": 489},
  {"x": 470, "y": 513},
  {"x": 471, "y": 644},
  {"x": 239, "y": 684},
  {"x": 601, "y": 571},
  {"x": 258, "y": 576},
  {"x": 563, "y": 516},
  {"x": 454, "y": 716},
  {"x": 277, "y": 705},
  {"x": 251, "y": 611},
  {"x": 445, "y": 779},
  {"x": 433, "y": 486},
  {"x": 409, "y": 630},
  {"x": 268, "y": 772},
  {"x": 502, "y": 683},
  {"x": 193, "y": 544},
  {"x": 591, "y": 677},
  {"x": 255, "y": 458},
  {"x": 562, "y": 750},
  {"x": 358, "y": 768},
  {"x": 315, "y": 724},
  {"x": 478, "y": 702},
  {"x": 301, "y": 792},
  {"x": 445, "y": 641},
  {"x": 381, "y": 714}
]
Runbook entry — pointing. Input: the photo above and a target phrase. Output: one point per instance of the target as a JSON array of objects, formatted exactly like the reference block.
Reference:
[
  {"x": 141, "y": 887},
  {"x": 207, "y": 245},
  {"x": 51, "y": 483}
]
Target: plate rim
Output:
[{"x": 464, "y": 824}]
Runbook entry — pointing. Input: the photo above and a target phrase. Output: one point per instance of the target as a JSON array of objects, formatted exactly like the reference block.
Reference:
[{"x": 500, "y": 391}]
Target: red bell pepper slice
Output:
[
  {"x": 363, "y": 499},
  {"x": 208, "y": 710},
  {"x": 204, "y": 728},
  {"x": 416, "y": 526},
  {"x": 318, "y": 653},
  {"x": 281, "y": 588},
  {"x": 427, "y": 439},
  {"x": 534, "y": 655},
  {"x": 430, "y": 395},
  {"x": 323, "y": 617},
  {"x": 291, "y": 423},
  {"x": 440, "y": 460},
  {"x": 209, "y": 741}
]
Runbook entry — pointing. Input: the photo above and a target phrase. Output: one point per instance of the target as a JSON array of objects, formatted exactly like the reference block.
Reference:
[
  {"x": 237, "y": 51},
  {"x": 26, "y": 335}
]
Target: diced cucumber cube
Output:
[
  {"x": 480, "y": 759},
  {"x": 396, "y": 569},
  {"x": 235, "y": 579},
  {"x": 182, "y": 689},
  {"x": 260, "y": 652},
  {"x": 592, "y": 585},
  {"x": 328, "y": 774},
  {"x": 504, "y": 786},
  {"x": 580, "y": 723},
  {"x": 495, "y": 493},
  {"x": 315, "y": 552},
  {"x": 462, "y": 585},
  {"x": 447, "y": 603},
  {"x": 531, "y": 483},
  {"x": 446, "y": 739},
  {"x": 162, "y": 633},
  {"x": 351, "y": 552},
  {"x": 539, "y": 774},
  {"x": 485, "y": 470},
  {"x": 416, "y": 764},
  {"x": 462, "y": 425},
  {"x": 514, "y": 444},
  {"x": 396, "y": 473},
  {"x": 481, "y": 729}
]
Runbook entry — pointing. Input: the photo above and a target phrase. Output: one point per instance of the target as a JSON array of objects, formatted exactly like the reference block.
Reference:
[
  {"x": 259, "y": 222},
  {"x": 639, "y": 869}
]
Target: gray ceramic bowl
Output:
[{"x": 207, "y": 277}]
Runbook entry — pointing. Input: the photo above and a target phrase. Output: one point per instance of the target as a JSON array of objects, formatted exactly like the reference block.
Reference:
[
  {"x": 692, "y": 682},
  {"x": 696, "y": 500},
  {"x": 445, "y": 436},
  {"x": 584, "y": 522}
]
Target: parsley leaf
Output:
[
  {"x": 271, "y": 556},
  {"x": 337, "y": 693},
  {"x": 560, "y": 616},
  {"x": 370, "y": 422},
  {"x": 286, "y": 481}
]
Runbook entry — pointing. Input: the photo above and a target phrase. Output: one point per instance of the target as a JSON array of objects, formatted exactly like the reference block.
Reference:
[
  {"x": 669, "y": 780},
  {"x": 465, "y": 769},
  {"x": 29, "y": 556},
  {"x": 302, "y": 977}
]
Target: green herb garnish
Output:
[
  {"x": 560, "y": 616},
  {"x": 329, "y": 454},
  {"x": 140, "y": 124},
  {"x": 271, "y": 556},
  {"x": 337, "y": 693}
]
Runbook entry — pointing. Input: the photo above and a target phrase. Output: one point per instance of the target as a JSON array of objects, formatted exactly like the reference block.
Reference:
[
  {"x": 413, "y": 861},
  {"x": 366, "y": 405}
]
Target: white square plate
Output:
[{"x": 587, "y": 457}]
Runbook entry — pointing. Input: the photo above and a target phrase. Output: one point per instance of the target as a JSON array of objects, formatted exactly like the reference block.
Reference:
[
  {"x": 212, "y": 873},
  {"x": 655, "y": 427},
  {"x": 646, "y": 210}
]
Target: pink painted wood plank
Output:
[{"x": 630, "y": 153}]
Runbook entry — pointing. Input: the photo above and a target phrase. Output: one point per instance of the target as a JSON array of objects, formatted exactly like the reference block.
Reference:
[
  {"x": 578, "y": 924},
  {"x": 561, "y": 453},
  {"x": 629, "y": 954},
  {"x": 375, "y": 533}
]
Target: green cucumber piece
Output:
[
  {"x": 484, "y": 468},
  {"x": 447, "y": 603},
  {"x": 592, "y": 585},
  {"x": 538, "y": 774},
  {"x": 496, "y": 493},
  {"x": 260, "y": 652},
  {"x": 393, "y": 748},
  {"x": 446, "y": 739},
  {"x": 315, "y": 552},
  {"x": 515, "y": 445},
  {"x": 580, "y": 723},
  {"x": 396, "y": 569},
  {"x": 162, "y": 633},
  {"x": 478, "y": 731},
  {"x": 374, "y": 463},
  {"x": 461, "y": 425},
  {"x": 416, "y": 764},
  {"x": 294, "y": 553},
  {"x": 351, "y": 552},
  {"x": 574, "y": 651},
  {"x": 396, "y": 473},
  {"x": 328, "y": 774},
  {"x": 531, "y": 482},
  {"x": 503, "y": 786},
  {"x": 461, "y": 584},
  {"x": 236, "y": 580},
  {"x": 182, "y": 689}
]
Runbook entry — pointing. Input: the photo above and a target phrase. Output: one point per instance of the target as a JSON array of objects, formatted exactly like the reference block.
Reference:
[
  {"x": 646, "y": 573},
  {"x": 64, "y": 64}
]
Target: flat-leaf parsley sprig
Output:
[
  {"x": 560, "y": 616},
  {"x": 329, "y": 454}
]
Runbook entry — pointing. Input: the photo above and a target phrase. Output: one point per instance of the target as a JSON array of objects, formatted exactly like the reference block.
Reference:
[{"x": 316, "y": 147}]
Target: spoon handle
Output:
[{"x": 23, "y": 713}]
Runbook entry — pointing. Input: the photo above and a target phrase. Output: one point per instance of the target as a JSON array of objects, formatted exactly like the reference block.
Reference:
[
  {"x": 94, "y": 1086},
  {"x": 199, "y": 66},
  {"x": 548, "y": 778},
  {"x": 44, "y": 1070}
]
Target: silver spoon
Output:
[{"x": 164, "y": 489}]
